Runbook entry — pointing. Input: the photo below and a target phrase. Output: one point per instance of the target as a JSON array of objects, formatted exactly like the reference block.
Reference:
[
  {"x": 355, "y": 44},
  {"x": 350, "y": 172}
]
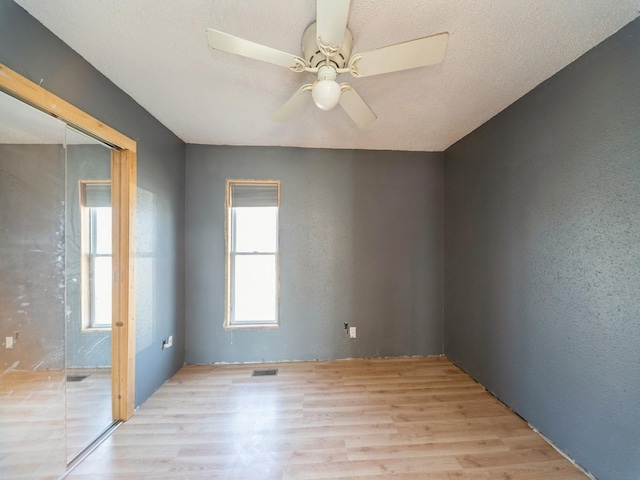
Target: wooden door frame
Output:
[{"x": 123, "y": 198}]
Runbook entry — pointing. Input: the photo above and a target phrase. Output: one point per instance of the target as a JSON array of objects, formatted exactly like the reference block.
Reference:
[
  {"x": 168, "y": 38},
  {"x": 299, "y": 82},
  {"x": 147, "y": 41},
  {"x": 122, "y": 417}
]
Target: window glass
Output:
[
  {"x": 255, "y": 288},
  {"x": 101, "y": 298},
  {"x": 255, "y": 229},
  {"x": 102, "y": 230}
]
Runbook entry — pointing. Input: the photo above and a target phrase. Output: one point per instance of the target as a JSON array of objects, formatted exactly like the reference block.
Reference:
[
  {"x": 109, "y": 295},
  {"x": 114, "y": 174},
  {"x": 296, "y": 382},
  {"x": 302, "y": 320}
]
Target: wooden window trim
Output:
[
  {"x": 123, "y": 195},
  {"x": 227, "y": 225}
]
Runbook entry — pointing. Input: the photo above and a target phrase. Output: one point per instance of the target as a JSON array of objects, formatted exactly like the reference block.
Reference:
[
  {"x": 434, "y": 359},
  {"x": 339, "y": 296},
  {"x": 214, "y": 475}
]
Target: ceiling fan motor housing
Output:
[
  {"x": 326, "y": 51},
  {"x": 314, "y": 56}
]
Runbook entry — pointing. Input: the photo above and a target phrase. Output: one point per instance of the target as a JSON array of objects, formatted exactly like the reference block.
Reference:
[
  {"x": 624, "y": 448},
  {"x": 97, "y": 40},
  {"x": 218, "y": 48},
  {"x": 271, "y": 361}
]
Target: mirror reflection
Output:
[
  {"x": 88, "y": 289},
  {"x": 55, "y": 291},
  {"x": 32, "y": 292}
]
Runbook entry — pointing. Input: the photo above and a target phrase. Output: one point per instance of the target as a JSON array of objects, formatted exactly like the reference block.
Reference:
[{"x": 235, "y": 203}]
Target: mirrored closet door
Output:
[
  {"x": 32, "y": 291},
  {"x": 55, "y": 291},
  {"x": 88, "y": 274}
]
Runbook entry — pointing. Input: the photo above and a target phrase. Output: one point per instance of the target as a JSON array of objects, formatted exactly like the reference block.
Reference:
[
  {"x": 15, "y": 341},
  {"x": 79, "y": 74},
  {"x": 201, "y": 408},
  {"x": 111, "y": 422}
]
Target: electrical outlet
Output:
[
  {"x": 352, "y": 332},
  {"x": 168, "y": 343},
  {"x": 8, "y": 342}
]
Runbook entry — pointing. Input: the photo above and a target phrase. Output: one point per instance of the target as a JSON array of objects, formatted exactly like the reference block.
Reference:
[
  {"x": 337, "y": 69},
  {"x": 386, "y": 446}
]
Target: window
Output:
[
  {"x": 95, "y": 228},
  {"x": 252, "y": 253}
]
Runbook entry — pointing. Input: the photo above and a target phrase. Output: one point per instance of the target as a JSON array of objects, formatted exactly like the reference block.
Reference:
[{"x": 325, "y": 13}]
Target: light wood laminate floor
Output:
[{"x": 406, "y": 418}]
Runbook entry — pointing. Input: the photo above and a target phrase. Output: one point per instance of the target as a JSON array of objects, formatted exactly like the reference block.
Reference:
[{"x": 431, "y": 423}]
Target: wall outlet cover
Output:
[
  {"x": 8, "y": 342},
  {"x": 352, "y": 332}
]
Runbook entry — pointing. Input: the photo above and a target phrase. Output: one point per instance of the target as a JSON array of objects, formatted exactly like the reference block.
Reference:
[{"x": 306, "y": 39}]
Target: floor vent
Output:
[
  {"x": 265, "y": 373},
  {"x": 76, "y": 378}
]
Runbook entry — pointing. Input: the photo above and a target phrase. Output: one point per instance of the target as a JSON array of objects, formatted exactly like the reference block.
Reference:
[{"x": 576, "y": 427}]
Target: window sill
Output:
[
  {"x": 95, "y": 329},
  {"x": 251, "y": 326}
]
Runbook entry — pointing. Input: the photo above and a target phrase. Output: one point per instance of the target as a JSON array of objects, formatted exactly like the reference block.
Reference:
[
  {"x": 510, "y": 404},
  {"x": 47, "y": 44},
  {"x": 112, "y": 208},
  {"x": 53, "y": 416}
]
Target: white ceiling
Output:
[{"x": 157, "y": 52}]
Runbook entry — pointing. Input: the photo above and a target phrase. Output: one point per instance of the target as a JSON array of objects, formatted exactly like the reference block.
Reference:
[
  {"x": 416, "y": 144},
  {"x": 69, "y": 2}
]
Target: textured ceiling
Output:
[{"x": 157, "y": 52}]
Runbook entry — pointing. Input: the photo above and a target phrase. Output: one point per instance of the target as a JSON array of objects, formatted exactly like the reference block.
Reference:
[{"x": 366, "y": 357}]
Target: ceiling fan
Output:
[{"x": 326, "y": 46}]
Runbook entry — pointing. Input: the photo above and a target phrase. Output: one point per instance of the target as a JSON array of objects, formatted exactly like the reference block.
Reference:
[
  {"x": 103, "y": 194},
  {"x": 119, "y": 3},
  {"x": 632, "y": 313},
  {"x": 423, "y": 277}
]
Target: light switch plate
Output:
[{"x": 352, "y": 332}]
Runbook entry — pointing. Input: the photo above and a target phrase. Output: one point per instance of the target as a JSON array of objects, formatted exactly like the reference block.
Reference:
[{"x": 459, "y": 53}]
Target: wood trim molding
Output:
[
  {"x": 123, "y": 198},
  {"x": 123, "y": 185},
  {"x": 27, "y": 91},
  {"x": 228, "y": 324}
]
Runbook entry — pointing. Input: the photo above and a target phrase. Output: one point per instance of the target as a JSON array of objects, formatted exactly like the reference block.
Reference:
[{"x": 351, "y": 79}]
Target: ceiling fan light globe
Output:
[{"x": 326, "y": 94}]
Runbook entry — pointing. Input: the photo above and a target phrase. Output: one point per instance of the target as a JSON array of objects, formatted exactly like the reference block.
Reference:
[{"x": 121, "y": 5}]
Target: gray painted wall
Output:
[
  {"x": 32, "y": 256},
  {"x": 31, "y": 50},
  {"x": 542, "y": 257},
  {"x": 360, "y": 242}
]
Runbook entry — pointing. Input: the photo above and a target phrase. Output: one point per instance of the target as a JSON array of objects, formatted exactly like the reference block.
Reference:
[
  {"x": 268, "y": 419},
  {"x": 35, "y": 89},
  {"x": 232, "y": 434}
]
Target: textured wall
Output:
[
  {"x": 542, "y": 257},
  {"x": 32, "y": 256},
  {"x": 360, "y": 241},
  {"x": 31, "y": 50}
]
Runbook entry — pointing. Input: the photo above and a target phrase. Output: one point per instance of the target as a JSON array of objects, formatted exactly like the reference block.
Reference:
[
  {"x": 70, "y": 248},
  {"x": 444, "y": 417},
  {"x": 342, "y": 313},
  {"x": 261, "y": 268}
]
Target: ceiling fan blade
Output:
[
  {"x": 295, "y": 103},
  {"x": 402, "y": 56},
  {"x": 354, "y": 105},
  {"x": 240, "y": 46},
  {"x": 331, "y": 21}
]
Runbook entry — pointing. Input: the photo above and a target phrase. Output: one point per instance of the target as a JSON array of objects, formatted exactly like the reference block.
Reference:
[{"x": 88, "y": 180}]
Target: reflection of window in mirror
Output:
[{"x": 95, "y": 231}]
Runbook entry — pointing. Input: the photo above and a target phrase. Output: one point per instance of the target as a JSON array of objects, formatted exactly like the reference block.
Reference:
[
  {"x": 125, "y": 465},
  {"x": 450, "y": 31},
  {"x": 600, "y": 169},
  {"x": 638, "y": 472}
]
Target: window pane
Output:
[
  {"x": 255, "y": 229},
  {"x": 255, "y": 288},
  {"x": 103, "y": 230},
  {"x": 102, "y": 291}
]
